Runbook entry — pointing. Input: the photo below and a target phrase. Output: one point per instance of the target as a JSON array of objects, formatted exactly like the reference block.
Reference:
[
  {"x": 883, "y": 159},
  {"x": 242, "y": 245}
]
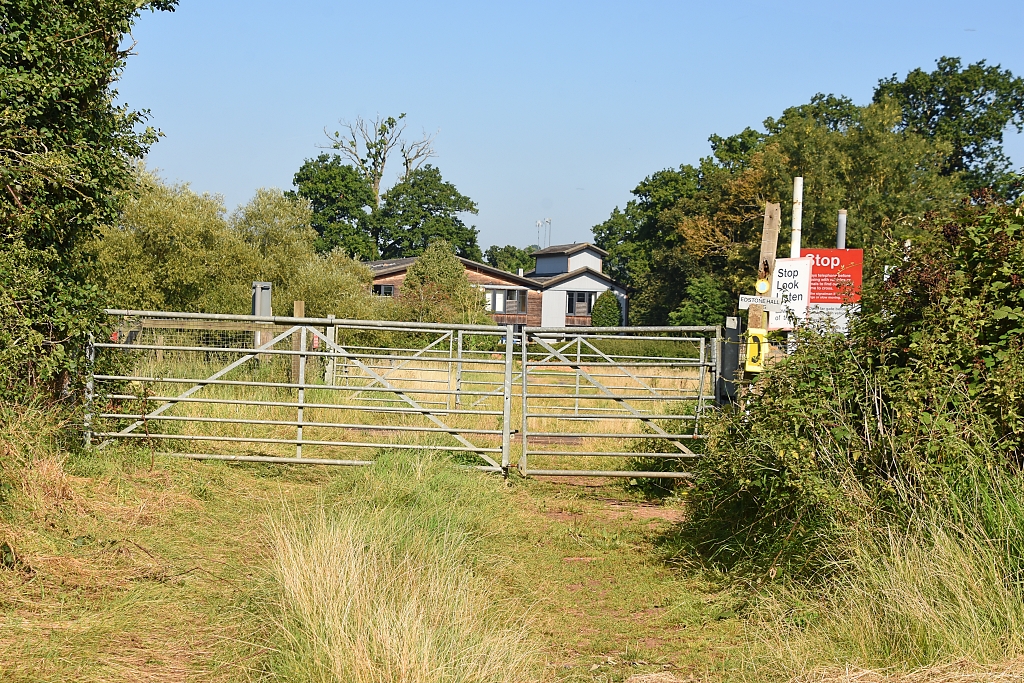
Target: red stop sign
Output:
[{"x": 835, "y": 275}]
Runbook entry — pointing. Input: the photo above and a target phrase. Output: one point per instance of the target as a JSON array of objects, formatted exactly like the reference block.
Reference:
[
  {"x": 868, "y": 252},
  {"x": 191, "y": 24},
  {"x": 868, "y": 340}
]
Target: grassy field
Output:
[
  {"x": 116, "y": 566},
  {"x": 122, "y": 569}
]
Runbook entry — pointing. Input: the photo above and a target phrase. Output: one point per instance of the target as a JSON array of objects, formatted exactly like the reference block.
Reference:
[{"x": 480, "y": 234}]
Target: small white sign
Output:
[
  {"x": 791, "y": 286},
  {"x": 768, "y": 303},
  {"x": 835, "y": 317}
]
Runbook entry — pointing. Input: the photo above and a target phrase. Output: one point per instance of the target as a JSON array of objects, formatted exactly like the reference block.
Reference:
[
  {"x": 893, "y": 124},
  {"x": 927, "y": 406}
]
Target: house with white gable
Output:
[
  {"x": 571, "y": 277},
  {"x": 559, "y": 292}
]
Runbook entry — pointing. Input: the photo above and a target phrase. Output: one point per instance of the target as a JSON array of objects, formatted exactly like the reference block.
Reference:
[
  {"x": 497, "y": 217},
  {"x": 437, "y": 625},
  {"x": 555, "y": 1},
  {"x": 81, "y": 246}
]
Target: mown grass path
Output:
[
  {"x": 127, "y": 574},
  {"x": 605, "y": 602}
]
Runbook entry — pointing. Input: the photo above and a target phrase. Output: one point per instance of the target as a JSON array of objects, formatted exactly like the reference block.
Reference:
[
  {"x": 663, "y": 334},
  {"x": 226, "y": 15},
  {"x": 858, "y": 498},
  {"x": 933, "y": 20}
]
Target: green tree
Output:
[
  {"x": 436, "y": 289},
  {"x": 421, "y": 209},
  {"x": 706, "y": 218},
  {"x": 510, "y": 258},
  {"x": 354, "y": 213},
  {"x": 172, "y": 250},
  {"x": 341, "y": 199},
  {"x": 334, "y": 284},
  {"x": 370, "y": 144},
  {"x": 277, "y": 229},
  {"x": 607, "y": 311},
  {"x": 706, "y": 303},
  {"x": 969, "y": 107},
  {"x": 66, "y": 151}
]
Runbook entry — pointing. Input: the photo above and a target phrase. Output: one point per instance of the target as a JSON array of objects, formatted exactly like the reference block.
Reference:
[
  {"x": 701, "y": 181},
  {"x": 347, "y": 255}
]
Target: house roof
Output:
[
  {"x": 389, "y": 266},
  {"x": 568, "y": 249},
  {"x": 497, "y": 272},
  {"x": 531, "y": 279},
  {"x": 398, "y": 265},
  {"x": 547, "y": 281}
]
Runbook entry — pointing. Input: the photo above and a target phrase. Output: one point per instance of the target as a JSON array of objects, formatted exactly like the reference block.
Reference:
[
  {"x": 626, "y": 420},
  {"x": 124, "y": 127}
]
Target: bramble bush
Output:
[{"x": 920, "y": 407}]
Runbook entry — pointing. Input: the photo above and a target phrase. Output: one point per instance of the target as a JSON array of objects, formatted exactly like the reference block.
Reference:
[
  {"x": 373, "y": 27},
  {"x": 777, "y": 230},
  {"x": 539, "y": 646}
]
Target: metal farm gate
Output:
[
  {"x": 332, "y": 391},
  {"x": 608, "y": 394}
]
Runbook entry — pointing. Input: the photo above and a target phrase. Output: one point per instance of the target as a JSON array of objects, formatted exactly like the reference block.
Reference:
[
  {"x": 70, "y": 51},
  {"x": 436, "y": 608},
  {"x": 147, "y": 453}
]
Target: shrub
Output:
[
  {"x": 335, "y": 284},
  {"x": 919, "y": 407},
  {"x": 172, "y": 250},
  {"x": 607, "y": 311},
  {"x": 436, "y": 290},
  {"x": 66, "y": 147}
]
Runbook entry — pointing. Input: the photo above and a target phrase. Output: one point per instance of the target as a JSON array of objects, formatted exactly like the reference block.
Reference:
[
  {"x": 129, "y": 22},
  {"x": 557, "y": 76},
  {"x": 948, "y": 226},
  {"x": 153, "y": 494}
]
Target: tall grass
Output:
[
  {"x": 942, "y": 588},
  {"x": 390, "y": 587}
]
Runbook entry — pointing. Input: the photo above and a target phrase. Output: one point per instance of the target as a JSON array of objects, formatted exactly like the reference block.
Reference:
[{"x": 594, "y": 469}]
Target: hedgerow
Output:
[{"x": 920, "y": 407}]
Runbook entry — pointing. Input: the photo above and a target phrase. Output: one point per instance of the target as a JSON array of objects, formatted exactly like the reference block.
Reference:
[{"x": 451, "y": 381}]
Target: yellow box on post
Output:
[{"x": 757, "y": 349}]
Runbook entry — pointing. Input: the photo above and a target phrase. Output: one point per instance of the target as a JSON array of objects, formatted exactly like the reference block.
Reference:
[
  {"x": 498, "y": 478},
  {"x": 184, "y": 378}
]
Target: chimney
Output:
[{"x": 520, "y": 272}]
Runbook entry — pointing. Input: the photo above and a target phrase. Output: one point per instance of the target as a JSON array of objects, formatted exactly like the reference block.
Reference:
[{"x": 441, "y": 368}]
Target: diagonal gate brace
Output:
[
  {"x": 427, "y": 413},
  {"x": 625, "y": 404},
  {"x": 217, "y": 375}
]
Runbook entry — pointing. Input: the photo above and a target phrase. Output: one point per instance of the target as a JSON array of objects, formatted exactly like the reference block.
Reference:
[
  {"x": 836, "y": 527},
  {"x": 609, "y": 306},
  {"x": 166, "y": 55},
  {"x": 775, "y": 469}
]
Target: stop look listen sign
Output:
[
  {"x": 791, "y": 286},
  {"x": 823, "y": 284}
]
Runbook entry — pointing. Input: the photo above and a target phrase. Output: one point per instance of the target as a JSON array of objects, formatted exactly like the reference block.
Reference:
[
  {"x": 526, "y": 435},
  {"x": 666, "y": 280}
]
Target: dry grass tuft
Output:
[
  {"x": 961, "y": 671},
  {"x": 373, "y": 598},
  {"x": 46, "y": 485}
]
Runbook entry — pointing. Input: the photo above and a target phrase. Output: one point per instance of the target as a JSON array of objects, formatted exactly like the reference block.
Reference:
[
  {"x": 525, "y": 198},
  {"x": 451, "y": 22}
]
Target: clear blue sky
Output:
[{"x": 545, "y": 110}]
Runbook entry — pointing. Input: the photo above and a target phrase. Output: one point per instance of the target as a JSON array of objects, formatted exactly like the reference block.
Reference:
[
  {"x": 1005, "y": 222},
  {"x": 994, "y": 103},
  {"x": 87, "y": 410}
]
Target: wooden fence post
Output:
[{"x": 756, "y": 318}]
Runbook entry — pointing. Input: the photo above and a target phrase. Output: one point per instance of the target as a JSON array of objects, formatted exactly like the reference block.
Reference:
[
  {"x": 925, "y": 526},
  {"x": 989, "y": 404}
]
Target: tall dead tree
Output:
[{"x": 369, "y": 144}]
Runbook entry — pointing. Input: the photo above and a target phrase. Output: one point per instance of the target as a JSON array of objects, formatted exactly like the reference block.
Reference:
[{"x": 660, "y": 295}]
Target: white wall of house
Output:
[
  {"x": 584, "y": 282},
  {"x": 555, "y": 264},
  {"x": 552, "y": 312},
  {"x": 584, "y": 259}
]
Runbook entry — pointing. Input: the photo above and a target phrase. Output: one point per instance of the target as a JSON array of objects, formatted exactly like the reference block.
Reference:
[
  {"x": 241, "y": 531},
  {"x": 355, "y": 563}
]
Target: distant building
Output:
[{"x": 559, "y": 292}]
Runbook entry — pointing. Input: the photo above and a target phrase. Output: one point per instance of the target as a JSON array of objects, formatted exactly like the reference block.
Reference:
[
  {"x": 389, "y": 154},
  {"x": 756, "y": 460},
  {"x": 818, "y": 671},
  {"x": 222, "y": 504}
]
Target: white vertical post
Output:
[
  {"x": 798, "y": 216},
  {"x": 841, "y": 230},
  {"x": 506, "y": 408},
  {"x": 302, "y": 390},
  {"x": 794, "y": 247},
  {"x": 522, "y": 440},
  {"x": 90, "y": 359}
]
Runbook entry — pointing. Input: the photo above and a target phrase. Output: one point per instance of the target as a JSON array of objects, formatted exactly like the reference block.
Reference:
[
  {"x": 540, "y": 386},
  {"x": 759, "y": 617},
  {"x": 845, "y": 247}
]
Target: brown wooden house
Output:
[{"x": 559, "y": 292}]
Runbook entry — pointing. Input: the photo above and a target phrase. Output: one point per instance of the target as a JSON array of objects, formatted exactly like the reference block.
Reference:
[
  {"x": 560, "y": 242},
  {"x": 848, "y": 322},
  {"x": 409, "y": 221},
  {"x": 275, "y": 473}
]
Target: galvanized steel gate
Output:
[
  {"x": 331, "y": 391},
  {"x": 611, "y": 393}
]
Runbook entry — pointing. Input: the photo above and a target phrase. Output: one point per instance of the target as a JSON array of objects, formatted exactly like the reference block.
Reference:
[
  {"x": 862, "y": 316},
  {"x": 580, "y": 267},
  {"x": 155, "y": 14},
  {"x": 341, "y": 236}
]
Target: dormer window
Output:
[{"x": 560, "y": 259}]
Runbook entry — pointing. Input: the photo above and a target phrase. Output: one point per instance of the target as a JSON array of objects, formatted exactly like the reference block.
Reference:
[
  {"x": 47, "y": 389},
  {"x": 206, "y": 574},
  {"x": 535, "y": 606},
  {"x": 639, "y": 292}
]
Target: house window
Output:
[
  {"x": 383, "y": 290},
  {"x": 511, "y": 301},
  {"x": 580, "y": 303},
  {"x": 515, "y": 301}
]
